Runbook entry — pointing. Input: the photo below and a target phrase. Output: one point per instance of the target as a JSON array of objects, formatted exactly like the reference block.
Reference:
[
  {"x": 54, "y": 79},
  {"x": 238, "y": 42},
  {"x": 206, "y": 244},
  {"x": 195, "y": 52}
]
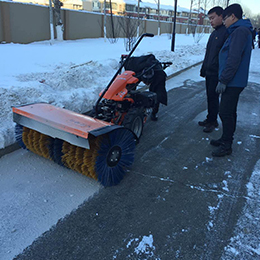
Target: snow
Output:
[
  {"x": 142, "y": 248},
  {"x": 70, "y": 74},
  {"x": 245, "y": 243},
  {"x": 33, "y": 201}
]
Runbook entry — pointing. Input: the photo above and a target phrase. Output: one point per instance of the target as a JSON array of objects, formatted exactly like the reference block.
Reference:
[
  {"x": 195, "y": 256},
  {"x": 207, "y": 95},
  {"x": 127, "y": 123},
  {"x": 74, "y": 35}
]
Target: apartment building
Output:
[
  {"x": 130, "y": 8},
  {"x": 146, "y": 10},
  {"x": 69, "y": 4}
]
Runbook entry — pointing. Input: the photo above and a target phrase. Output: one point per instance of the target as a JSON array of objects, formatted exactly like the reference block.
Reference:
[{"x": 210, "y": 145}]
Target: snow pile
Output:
[{"x": 71, "y": 74}]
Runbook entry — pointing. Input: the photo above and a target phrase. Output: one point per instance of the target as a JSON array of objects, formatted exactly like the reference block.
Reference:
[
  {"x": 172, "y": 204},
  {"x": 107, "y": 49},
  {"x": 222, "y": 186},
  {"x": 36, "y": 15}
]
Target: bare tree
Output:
[
  {"x": 223, "y": 3},
  {"x": 111, "y": 17},
  {"x": 196, "y": 28},
  {"x": 138, "y": 17},
  {"x": 255, "y": 20},
  {"x": 105, "y": 20},
  {"x": 191, "y": 24},
  {"x": 110, "y": 28},
  {"x": 159, "y": 14},
  {"x": 51, "y": 22},
  {"x": 205, "y": 4},
  {"x": 169, "y": 30},
  {"x": 128, "y": 25},
  {"x": 58, "y": 22},
  {"x": 57, "y": 5},
  {"x": 198, "y": 16}
]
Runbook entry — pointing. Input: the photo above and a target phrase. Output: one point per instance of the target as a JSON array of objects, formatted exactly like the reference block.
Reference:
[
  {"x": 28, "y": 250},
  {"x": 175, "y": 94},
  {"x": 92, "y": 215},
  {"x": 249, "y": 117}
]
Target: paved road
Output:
[{"x": 177, "y": 202}]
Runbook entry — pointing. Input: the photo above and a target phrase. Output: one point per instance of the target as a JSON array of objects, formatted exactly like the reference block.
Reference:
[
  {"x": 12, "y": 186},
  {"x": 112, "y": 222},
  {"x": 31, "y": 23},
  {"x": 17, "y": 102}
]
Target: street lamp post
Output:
[
  {"x": 174, "y": 26},
  {"x": 227, "y": 3}
]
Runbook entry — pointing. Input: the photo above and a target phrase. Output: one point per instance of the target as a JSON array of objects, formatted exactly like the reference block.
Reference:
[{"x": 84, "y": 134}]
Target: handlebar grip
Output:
[
  {"x": 166, "y": 63},
  {"x": 149, "y": 35}
]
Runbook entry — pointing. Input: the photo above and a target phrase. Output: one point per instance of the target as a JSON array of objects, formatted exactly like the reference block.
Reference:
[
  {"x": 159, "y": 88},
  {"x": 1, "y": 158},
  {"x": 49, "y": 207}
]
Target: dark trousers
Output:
[
  {"x": 158, "y": 86},
  {"x": 156, "y": 108},
  {"x": 212, "y": 98},
  {"x": 228, "y": 113}
]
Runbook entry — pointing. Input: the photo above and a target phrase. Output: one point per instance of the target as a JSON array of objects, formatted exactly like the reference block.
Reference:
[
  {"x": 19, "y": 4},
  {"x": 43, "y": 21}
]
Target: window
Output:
[
  {"x": 130, "y": 8},
  {"x": 114, "y": 6},
  {"x": 96, "y": 5}
]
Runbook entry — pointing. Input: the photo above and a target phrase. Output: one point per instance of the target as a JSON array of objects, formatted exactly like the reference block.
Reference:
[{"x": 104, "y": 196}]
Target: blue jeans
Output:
[{"x": 228, "y": 113}]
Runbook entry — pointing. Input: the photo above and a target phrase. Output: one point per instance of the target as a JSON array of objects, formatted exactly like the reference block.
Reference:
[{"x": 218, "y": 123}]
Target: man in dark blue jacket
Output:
[
  {"x": 209, "y": 68},
  {"x": 234, "y": 60}
]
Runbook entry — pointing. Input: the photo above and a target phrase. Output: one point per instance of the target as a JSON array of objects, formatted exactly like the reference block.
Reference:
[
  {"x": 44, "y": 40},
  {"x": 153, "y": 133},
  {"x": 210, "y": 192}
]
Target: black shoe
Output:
[
  {"x": 154, "y": 117},
  {"x": 203, "y": 123},
  {"x": 216, "y": 142},
  {"x": 222, "y": 150},
  {"x": 210, "y": 127}
]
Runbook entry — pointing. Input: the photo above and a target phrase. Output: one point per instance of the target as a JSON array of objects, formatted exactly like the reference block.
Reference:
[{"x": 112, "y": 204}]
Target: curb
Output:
[
  {"x": 183, "y": 70},
  {"x": 9, "y": 149},
  {"x": 176, "y": 73},
  {"x": 15, "y": 146}
]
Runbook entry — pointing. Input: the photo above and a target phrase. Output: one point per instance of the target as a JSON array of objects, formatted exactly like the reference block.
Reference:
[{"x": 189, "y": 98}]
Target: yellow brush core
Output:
[
  {"x": 37, "y": 142},
  {"x": 74, "y": 157}
]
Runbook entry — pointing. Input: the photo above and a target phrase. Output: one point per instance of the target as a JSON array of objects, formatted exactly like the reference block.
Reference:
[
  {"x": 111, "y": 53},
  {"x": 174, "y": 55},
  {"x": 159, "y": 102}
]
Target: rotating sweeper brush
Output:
[
  {"x": 100, "y": 144},
  {"x": 90, "y": 146}
]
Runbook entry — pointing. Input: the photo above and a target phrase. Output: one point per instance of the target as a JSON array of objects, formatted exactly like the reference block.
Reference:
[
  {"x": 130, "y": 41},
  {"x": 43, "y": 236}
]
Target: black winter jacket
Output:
[
  {"x": 216, "y": 40},
  {"x": 157, "y": 82}
]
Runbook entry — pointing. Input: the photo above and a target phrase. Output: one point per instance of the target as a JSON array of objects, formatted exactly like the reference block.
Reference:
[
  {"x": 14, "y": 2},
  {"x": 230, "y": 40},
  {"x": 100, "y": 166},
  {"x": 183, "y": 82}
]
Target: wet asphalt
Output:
[{"x": 176, "y": 193}]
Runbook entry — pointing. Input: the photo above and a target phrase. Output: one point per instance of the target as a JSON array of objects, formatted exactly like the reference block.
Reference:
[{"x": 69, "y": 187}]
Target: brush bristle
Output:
[
  {"x": 91, "y": 162},
  {"x": 19, "y": 135},
  {"x": 107, "y": 175},
  {"x": 36, "y": 142}
]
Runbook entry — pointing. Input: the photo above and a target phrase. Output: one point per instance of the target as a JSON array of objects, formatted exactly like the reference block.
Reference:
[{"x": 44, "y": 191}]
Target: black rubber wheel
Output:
[{"x": 134, "y": 120}]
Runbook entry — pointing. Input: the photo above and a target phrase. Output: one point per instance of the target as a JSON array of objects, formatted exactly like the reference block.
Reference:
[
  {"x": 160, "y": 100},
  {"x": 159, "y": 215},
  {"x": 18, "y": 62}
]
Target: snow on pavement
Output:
[
  {"x": 35, "y": 194},
  {"x": 245, "y": 244}
]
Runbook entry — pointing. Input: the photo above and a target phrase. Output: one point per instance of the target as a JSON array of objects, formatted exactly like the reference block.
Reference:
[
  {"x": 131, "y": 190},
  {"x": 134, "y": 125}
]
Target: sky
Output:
[
  {"x": 70, "y": 74},
  {"x": 253, "y": 5}
]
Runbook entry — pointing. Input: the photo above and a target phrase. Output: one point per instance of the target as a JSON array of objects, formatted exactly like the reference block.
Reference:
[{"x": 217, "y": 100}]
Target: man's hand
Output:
[{"x": 220, "y": 88}]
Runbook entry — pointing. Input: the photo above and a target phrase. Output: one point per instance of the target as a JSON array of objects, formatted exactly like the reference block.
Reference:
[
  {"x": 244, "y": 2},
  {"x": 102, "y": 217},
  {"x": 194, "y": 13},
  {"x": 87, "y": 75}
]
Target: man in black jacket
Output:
[
  {"x": 156, "y": 81},
  {"x": 210, "y": 65}
]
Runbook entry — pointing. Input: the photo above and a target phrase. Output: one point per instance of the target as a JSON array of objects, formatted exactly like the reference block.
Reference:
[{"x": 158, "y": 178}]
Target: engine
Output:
[{"x": 114, "y": 111}]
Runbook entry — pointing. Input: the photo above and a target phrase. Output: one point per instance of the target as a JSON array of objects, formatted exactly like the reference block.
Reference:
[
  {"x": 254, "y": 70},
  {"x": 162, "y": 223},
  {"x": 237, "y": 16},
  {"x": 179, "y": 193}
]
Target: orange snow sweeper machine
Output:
[{"x": 99, "y": 144}]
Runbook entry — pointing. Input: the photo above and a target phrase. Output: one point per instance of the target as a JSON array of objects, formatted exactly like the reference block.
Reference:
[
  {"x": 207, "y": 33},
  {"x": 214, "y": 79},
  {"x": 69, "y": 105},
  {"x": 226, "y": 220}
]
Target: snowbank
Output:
[{"x": 70, "y": 74}]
